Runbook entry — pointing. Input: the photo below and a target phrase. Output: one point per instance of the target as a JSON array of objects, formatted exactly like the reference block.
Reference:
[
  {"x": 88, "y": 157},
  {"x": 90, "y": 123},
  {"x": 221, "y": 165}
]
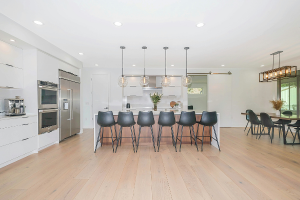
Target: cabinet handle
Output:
[
  {"x": 25, "y": 139},
  {"x": 132, "y": 86},
  {"x": 25, "y": 124},
  {"x": 24, "y": 117},
  {"x": 9, "y": 65}
]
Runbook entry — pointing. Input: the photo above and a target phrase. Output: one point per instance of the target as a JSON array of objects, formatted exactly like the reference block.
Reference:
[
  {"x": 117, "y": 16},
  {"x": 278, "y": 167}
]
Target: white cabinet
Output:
[
  {"x": 133, "y": 91},
  {"x": 11, "y": 55},
  {"x": 171, "y": 91},
  {"x": 133, "y": 81},
  {"x": 11, "y": 77},
  {"x": 47, "y": 139},
  {"x": 175, "y": 81},
  {"x": 22, "y": 147},
  {"x": 47, "y": 67}
]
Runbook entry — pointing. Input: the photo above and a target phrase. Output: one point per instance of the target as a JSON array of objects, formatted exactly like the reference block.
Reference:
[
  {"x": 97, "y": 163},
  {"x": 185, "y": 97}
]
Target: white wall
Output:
[{"x": 227, "y": 94}]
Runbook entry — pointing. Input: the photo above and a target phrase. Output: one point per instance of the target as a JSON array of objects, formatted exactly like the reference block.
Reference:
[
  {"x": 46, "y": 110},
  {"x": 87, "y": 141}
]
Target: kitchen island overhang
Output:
[{"x": 186, "y": 132}]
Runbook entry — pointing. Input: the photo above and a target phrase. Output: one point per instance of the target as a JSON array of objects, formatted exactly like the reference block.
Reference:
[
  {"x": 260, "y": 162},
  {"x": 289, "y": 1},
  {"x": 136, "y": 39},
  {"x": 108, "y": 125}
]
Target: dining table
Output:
[{"x": 282, "y": 117}]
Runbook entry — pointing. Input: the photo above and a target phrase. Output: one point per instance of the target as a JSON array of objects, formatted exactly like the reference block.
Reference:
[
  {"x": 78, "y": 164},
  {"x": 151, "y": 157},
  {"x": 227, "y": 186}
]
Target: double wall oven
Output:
[{"x": 48, "y": 106}]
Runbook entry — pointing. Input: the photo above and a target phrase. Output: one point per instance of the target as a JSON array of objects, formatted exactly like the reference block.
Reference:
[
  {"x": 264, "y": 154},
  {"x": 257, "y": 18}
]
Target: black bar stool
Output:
[
  {"x": 126, "y": 119},
  {"x": 187, "y": 119},
  {"x": 266, "y": 121},
  {"x": 208, "y": 119},
  {"x": 145, "y": 119},
  {"x": 248, "y": 120},
  {"x": 283, "y": 121},
  {"x": 165, "y": 119},
  {"x": 106, "y": 119}
]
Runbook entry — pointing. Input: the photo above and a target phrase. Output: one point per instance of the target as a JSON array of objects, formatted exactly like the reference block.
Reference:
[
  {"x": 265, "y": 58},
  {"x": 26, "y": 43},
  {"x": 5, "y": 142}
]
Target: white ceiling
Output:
[{"x": 237, "y": 33}]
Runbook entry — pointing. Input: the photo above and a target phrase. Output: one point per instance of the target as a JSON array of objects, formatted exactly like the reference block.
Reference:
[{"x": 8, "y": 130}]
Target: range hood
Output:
[{"x": 154, "y": 83}]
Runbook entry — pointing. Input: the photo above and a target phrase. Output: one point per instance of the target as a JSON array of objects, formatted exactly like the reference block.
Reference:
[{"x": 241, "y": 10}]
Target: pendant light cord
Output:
[
  {"x": 122, "y": 63},
  {"x": 165, "y": 62},
  {"x": 273, "y": 62},
  {"x": 144, "y": 61},
  {"x": 186, "y": 62},
  {"x": 279, "y": 60}
]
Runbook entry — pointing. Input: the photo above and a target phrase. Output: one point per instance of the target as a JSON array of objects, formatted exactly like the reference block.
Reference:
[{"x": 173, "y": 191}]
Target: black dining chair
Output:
[
  {"x": 105, "y": 119},
  {"x": 297, "y": 128},
  {"x": 254, "y": 122},
  {"x": 187, "y": 119},
  {"x": 145, "y": 119},
  {"x": 209, "y": 119},
  {"x": 294, "y": 125},
  {"x": 126, "y": 119},
  {"x": 283, "y": 121},
  {"x": 166, "y": 119},
  {"x": 267, "y": 122},
  {"x": 247, "y": 119}
]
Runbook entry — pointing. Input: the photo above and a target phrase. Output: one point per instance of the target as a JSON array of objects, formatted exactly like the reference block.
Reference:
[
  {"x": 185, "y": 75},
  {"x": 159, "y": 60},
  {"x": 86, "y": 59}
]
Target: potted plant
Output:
[
  {"x": 277, "y": 104},
  {"x": 155, "y": 98}
]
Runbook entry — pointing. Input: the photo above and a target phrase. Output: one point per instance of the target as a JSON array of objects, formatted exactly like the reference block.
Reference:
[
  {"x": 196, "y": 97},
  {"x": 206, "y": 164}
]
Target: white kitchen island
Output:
[{"x": 155, "y": 127}]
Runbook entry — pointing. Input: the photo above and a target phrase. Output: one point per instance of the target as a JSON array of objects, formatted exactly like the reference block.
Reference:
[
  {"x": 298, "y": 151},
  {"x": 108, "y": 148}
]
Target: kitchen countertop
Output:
[{"x": 4, "y": 117}]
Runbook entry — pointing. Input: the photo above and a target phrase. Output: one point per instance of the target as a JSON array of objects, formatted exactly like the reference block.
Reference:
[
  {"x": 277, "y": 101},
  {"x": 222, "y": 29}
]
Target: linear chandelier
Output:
[{"x": 278, "y": 73}]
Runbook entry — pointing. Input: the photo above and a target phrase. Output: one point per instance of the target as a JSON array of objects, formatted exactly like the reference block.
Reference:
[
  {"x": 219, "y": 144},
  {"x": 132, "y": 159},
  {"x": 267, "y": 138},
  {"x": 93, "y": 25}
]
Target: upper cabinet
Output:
[
  {"x": 47, "y": 67},
  {"x": 11, "y": 77},
  {"x": 11, "y": 55},
  {"x": 133, "y": 87},
  {"x": 175, "y": 81}
]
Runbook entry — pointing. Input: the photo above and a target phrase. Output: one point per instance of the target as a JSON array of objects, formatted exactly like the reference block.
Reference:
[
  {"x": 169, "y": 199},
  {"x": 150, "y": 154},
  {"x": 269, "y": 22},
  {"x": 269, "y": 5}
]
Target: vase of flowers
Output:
[
  {"x": 277, "y": 104},
  {"x": 155, "y": 98}
]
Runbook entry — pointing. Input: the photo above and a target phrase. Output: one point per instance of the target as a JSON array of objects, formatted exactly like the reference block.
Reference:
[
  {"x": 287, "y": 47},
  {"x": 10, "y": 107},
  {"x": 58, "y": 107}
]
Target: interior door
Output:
[
  {"x": 65, "y": 114},
  {"x": 75, "y": 107},
  {"x": 100, "y": 92}
]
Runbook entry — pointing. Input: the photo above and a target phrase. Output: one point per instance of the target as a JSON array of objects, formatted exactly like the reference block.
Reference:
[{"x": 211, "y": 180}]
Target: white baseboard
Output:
[
  {"x": 48, "y": 145},
  {"x": 16, "y": 159}
]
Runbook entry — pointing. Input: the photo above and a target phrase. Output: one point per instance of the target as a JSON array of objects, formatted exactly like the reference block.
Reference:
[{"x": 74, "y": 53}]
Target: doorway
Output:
[{"x": 197, "y": 93}]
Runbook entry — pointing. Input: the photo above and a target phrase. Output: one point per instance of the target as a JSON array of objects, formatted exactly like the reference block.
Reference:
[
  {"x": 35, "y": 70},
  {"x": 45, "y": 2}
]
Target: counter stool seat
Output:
[
  {"x": 145, "y": 119},
  {"x": 166, "y": 119}
]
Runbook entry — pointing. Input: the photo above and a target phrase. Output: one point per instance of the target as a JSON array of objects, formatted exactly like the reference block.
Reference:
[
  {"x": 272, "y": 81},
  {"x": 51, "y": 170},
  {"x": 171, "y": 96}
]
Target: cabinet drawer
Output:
[
  {"x": 18, "y": 121},
  {"x": 4, "y": 154},
  {"x": 5, "y": 136},
  {"x": 22, "y": 147},
  {"x": 24, "y": 131}
]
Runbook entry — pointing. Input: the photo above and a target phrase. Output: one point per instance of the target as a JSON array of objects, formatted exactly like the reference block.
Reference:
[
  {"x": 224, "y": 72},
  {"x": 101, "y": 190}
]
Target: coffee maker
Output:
[{"x": 14, "y": 107}]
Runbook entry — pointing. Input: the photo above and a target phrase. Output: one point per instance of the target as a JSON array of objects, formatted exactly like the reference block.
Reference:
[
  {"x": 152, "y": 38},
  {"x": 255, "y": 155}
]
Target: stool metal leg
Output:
[
  {"x": 181, "y": 138},
  {"x": 121, "y": 137},
  {"x": 246, "y": 126},
  {"x": 98, "y": 138},
  {"x": 116, "y": 133},
  {"x": 153, "y": 138},
  {"x": 173, "y": 138},
  {"x": 217, "y": 138},
  {"x": 132, "y": 138},
  {"x": 102, "y": 136},
  {"x": 195, "y": 138},
  {"x": 202, "y": 139},
  {"x": 159, "y": 137},
  {"x": 137, "y": 145},
  {"x": 118, "y": 139},
  {"x": 190, "y": 135},
  {"x": 112, "y": 139},
  {"x": 177, "y": 135}
]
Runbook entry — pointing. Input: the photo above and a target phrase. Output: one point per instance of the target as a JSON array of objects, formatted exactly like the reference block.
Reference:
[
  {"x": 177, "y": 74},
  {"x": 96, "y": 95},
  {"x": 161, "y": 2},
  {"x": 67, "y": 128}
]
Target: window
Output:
[
  {"x": 195, "y": 91},
  {"x": 288, "y": 94}
]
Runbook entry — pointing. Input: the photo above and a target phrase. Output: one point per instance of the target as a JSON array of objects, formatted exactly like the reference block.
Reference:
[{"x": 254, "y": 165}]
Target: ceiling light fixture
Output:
[
  {"x": 186, "y": 80},
  {"x": 262, "y": 65},
  {"x": 133, "y": 65},
  {"x": 222, "y": 65},
  {"x": 80, "y": 54},
  {"x": 144, "y": 81},
  {"x": 12, "y": 40},
  {"x": 122, "y": 79},
  {"x": 278, "y": 73},
  {"x": 165, "y": 81},
  {"x": 38, "y": 23},
  {"x": 172, "y": 65},
  {"x": 118, "y": 23},
  {"x": 200, "y": 25},
  {"x": 96, "y": 65}
]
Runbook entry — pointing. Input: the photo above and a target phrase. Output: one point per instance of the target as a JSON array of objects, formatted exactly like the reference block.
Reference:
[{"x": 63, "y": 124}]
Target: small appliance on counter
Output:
[
  {"x": 128, "y": 105},
  {"x": 14, "y": 107}
]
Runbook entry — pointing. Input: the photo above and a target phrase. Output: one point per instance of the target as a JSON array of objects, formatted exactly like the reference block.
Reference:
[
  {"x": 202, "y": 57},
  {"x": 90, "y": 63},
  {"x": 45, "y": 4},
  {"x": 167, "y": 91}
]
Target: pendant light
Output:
[
  {"x": 144, "y": 81},
  {"x": 165, "y": 80},
  {"x": 122, "y": 81},
  {"x": 186, "y": 80}
]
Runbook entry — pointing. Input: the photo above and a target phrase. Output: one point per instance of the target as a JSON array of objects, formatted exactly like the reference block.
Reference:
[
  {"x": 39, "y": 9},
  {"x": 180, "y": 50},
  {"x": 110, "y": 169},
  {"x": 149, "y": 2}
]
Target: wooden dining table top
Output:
[{"x": 281, "y": 116}]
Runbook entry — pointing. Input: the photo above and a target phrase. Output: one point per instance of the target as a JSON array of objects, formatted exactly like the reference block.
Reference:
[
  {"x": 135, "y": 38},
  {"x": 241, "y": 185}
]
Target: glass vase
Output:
[{"x": 155, "y": 106}]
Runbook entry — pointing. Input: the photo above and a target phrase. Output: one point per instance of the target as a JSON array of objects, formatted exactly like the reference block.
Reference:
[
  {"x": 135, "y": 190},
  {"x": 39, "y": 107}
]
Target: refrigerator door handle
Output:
[
  {"x": 70, "y": 116},
  {"x": 72, "y": 104}
]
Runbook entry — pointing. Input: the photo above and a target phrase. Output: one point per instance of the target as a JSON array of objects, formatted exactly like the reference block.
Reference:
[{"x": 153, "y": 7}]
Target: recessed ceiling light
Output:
[
  {"x": 38, "y": 23},
  {"x": 262, "y": 65},
  {"x": 118, "y": 23},
  {"x": 172, "y": 65},
  {"x": 133, "y": 65},
  {"x": 12, "y": 40},
  {"x": 222, "y": 65},
  {"x": 81, "y": 54},
  {"x": 96, "y": 65},
  {"x": 200, "y": 24}
]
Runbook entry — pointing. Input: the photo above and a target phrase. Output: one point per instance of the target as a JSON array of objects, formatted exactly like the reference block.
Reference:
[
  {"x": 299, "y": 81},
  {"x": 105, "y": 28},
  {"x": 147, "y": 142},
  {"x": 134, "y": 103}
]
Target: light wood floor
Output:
[{"x": 246, "y": 168}]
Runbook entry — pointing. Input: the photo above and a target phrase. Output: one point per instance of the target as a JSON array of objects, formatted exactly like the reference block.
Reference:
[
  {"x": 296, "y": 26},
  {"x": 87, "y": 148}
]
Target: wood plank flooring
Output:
[{"x": 246, "y": 168}]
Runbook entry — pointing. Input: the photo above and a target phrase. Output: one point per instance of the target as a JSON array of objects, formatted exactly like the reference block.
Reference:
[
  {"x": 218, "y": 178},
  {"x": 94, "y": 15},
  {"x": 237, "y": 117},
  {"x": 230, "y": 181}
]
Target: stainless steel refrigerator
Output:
[{"x": 69, "y": 109}]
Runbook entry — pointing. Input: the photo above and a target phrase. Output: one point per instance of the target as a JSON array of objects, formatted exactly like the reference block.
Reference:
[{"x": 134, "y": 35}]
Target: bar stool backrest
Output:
[
  {"x": 209, "y": 118},
  {"x": 145, "y": 118},
  {"x": 126, "y": 119},
  {"x": 253, "y": 117},
  {"x": 247, "y": 116},
  {"x": 266, "y": 120},
  {"x": 166, "y": 118},
  {"x": 187, "y": 118},
  {"x": 105, "y": 119},
  {"x": 288, "y": 113}
]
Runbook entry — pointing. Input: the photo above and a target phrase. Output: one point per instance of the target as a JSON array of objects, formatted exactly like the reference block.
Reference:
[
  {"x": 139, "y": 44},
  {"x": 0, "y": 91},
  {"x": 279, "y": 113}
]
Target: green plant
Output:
[{"x": 155, "y": 97}]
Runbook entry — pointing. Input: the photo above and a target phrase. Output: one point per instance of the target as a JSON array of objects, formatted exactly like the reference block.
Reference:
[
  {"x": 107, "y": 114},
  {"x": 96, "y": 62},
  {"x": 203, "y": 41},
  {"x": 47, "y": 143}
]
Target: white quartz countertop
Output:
[
  {"x": 136, "y": 112},
  {"x": 4, "y": 117}
]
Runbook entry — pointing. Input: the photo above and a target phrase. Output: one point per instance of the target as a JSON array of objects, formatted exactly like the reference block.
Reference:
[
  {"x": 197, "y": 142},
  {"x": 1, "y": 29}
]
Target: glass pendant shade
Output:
[
  {"x": 186, "y": 81},
  {"x": 165, "y": 81},
  {"x": 144, "y": 81},
  {"x": 122, "y": 81}
]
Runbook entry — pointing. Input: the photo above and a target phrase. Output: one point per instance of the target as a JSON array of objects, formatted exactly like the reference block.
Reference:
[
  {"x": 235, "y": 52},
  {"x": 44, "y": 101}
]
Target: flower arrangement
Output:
[
  {"x": 277, "y": 104},
  {"x": 155, "y": 98}
]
